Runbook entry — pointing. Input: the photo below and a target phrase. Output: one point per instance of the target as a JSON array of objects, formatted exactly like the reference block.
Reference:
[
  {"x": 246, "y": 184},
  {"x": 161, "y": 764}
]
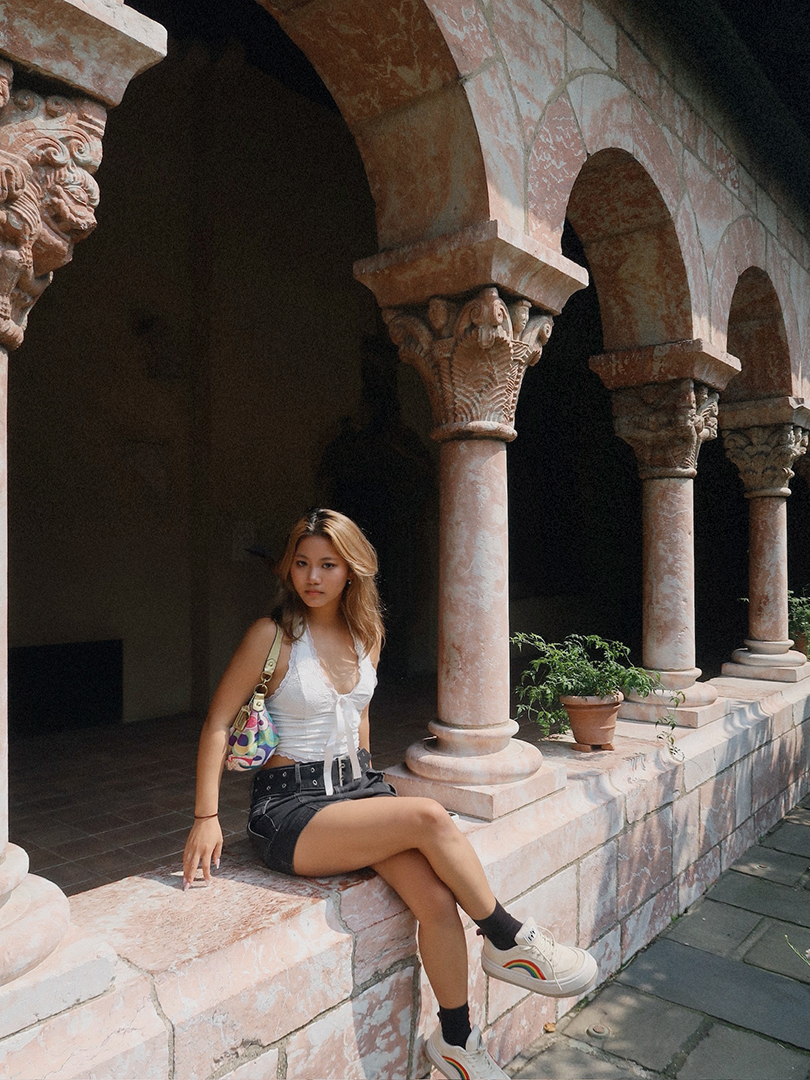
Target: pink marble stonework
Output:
[{"x": 775, "y": 435}]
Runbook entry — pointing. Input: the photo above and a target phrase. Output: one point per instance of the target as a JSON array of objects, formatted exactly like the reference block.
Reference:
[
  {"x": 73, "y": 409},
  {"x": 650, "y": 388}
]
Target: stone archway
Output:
[
  {"x": 765, "y": 431},
  {"x": 757, "y": 336},
  {"x": 664, "y": 385},
  {"x": 633, "y": 251},
  {"x": 392, "y": 75}
]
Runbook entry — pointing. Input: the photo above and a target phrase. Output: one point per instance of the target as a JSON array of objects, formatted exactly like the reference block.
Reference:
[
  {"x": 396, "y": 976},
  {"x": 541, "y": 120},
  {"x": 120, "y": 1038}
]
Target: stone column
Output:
[
  {"x": 472, "y": 356},
  {"x": 442, "y": 304},
  {"x": 50, "y": 146},
  {"x": 665, "y": 405},
  {"x": 764, "y": 454}
]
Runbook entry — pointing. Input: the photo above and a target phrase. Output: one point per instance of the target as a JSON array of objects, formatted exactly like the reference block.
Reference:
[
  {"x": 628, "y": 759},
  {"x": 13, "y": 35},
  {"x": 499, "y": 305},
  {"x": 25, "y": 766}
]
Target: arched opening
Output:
[
  {"x": 204, "y": 370},
  {"x": 574, "y": 493},
  {"x": 633, "y": 253},
  {"x": 575, "y": 523},
  {"x": 756, "y": 336}
]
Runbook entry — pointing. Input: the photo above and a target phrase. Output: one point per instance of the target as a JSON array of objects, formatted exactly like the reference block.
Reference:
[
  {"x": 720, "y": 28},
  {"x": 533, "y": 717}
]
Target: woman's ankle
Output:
[{"x": 455, "y": 1024}]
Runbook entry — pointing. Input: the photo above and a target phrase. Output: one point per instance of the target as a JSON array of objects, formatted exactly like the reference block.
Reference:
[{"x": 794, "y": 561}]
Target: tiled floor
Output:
[{"x": 110, "y": 802}]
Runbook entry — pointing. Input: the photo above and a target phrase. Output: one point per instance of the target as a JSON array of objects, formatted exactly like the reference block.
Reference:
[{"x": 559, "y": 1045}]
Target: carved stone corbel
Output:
[
  {"x": 765, "y": 456},
  {"x": 472, "y": 357},
  {"x": 49, "y": 149},
  {"x": 666, "y": 424}
]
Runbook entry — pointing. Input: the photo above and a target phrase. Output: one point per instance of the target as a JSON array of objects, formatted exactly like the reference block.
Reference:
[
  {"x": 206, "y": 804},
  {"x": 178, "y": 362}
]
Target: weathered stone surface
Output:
[
  {"x": 644, "y": 860},
  {"x": 768, "y": 861},
  {"x": 643, "y": 1028},
  {"x": 597, "y": 892},
  {"x": 368, "y": 1036},
  {"x": 110, "y": 43},
  {"x": 714, "y": 927},
  {"x": 82, "y": 967},
  {"x": 727, "y": 1051},
  {"x": 783, "y": 948},
  {"x": 116, "y": 1036},
  {"x": 728, "y": 989}
]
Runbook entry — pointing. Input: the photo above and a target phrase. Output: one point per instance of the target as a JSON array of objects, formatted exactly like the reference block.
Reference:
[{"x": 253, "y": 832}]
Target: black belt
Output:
[{"x": 306, "y": 778}]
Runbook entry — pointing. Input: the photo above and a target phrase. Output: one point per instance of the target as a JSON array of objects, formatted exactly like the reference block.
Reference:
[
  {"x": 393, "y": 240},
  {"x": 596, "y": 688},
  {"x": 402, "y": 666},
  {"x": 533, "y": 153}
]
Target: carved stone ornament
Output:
[
  {"x": 666, "y": 424},
  {"x": 472, "y": 357},
  {"x": 764, "y": 456},
  {"x": 49, "y": 149}
]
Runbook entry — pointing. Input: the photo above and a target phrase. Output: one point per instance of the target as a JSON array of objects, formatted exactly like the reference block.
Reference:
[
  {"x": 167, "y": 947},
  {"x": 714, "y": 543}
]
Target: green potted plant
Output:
[
  {"x": 799, "y": 620},
  {"x": 579, "y": 683}
]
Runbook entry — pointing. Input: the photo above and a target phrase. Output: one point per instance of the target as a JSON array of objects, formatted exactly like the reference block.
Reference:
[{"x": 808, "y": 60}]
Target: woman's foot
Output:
[
  {"x": 538, "y": 963},
  {"x": 461, "y": 1062}
]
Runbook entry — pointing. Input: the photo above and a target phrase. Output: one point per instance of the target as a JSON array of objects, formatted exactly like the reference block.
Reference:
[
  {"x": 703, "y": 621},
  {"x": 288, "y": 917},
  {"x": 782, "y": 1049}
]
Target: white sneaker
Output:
[
  {"x": 470, "y": 1062},
  {"x": 538, "y": 963}
]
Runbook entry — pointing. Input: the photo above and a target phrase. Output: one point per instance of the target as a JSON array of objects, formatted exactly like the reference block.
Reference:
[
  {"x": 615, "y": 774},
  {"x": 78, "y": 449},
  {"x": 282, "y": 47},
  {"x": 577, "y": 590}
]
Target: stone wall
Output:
[{"x": 260, "y": 976}]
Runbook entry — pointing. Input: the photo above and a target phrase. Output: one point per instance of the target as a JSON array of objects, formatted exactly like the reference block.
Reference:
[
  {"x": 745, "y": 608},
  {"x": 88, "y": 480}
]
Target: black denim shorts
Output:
[{"x": 285, "y": 799}]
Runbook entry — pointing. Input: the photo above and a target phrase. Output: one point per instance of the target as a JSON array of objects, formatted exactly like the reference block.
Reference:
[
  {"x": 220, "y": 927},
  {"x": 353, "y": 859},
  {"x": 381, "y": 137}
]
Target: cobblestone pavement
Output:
[{"x": 723, "y": 994}]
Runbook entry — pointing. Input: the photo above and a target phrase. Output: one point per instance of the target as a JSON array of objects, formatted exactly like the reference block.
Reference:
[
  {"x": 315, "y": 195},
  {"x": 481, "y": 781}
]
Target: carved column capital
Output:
[
  {"x": 666, "y": 424},
  {"x": 49, "y": 149},
  {"x": 471, "y": 356},
  {"x": 764, "y": 456}
]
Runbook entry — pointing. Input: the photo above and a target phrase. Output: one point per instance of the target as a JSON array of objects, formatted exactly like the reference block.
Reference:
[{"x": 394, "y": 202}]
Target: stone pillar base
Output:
[
  {"x": 500, "y": 759},
  {"x": 700, "y": 704},
  {"x": 33, "y": 921},
  {"x": 690, "y": 716},
  {"x": 81, "y": 968},
  {"x": 485, "y": 801},
  {"x": 789, "y": 667}
]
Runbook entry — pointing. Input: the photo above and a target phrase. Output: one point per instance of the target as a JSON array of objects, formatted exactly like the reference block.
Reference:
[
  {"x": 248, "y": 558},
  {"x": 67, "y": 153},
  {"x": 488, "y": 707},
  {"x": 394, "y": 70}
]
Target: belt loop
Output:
[{"x": 297, "y": 776}]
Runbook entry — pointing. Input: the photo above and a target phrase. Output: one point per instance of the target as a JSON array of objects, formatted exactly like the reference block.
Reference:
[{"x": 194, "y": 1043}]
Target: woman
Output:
[{"x": 318, "y": 808}]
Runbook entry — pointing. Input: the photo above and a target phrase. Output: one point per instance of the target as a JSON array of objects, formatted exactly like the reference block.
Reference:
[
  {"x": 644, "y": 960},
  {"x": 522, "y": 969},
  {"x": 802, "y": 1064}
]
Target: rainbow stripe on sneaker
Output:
[
  {"x": 462, "y": 1072},
  {"x": 528, "y": 966}
]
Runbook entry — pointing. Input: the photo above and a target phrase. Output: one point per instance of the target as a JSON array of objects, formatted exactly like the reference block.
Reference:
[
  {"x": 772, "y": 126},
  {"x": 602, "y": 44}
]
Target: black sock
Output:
[
  {"x": 500, "y": 927},
  {"x": 455, "y": 1024}
]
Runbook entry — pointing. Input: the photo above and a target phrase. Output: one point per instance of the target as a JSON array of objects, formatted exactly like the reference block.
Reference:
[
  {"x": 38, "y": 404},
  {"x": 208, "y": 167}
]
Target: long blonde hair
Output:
[{"x": 360, "y": 603}]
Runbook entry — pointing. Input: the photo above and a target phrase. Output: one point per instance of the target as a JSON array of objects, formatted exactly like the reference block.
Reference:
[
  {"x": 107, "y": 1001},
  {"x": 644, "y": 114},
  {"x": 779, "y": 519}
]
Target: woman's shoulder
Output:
[{"x": 261, "y": 634}]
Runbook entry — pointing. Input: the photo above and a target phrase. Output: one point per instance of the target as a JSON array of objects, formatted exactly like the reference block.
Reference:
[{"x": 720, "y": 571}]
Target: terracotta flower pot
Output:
[
  {"x": 800, "y": 644},
  {"x": 593, "y": 720}
]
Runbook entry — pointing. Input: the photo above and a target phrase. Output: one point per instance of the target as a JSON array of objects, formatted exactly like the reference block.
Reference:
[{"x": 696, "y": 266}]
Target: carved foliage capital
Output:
[
  {"x": 49, "y": 149},
  {"x": 666, "y": 424},
  {"x": 764, "y": 456},
  {"x": 471, "y": 356}
]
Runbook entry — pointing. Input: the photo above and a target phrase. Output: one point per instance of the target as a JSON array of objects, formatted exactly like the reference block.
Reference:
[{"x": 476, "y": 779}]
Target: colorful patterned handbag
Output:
[{"x": 253, "y": 737}]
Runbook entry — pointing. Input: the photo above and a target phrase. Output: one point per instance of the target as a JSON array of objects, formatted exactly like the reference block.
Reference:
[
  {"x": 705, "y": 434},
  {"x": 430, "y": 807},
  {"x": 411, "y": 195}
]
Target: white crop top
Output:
[{"x": 315, "y": 722}]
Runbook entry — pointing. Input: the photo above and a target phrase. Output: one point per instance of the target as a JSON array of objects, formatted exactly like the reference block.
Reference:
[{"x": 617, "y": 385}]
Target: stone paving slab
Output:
[
  {"x": 714, "y": 927},
  {"x": 773, "y": 953},
  {"x": 725, "y": 989},
  {"x": 800, "y": 815},
  {"x": 564, "y": 1061},
  {"x": 766, "y": 897},
  {"x": 770, "y": 863},
  {"x": 790, "y": 836},
  {"x": 643, "y": 1029},
  {"x": 728, "y": 1052}
]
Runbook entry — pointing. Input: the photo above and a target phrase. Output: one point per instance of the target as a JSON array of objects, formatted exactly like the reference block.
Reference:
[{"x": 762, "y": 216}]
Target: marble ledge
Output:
[
  {"x": 487, "y": 253},
  {"x": 110, "y": 43}
]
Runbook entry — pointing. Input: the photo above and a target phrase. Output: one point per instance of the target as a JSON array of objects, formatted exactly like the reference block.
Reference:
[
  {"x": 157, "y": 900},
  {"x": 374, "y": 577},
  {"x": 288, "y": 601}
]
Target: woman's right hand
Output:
[{"x": 204, "y": 844}]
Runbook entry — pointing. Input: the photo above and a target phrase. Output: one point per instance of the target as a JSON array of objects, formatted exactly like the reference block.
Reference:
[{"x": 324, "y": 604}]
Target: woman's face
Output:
[{"x": 318, "y": 573}]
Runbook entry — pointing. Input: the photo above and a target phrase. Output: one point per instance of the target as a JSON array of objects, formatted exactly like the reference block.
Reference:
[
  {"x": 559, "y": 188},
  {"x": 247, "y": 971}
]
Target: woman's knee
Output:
[
  {"x": 431, "y": 819},
  {"x": 437, "y": 905}
]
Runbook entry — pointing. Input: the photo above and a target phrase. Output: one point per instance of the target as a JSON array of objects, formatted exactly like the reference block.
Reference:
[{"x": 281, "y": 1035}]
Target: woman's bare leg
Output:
[
  {"x": 442, "y": 944},
  {"x": 349, "y": 835}
]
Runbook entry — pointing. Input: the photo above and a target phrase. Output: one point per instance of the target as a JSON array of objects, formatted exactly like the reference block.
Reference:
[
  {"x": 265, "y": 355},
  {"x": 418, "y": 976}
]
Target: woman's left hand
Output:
[{"x": 204, "y": 844}]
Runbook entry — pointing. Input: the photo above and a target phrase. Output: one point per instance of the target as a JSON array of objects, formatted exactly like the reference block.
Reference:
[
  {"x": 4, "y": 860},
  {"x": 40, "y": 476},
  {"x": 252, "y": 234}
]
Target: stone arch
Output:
[
  {"x": 757, "y": 337},
  {"x": 633, "y": 250},
  {"x": 396, "y": 83}
]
